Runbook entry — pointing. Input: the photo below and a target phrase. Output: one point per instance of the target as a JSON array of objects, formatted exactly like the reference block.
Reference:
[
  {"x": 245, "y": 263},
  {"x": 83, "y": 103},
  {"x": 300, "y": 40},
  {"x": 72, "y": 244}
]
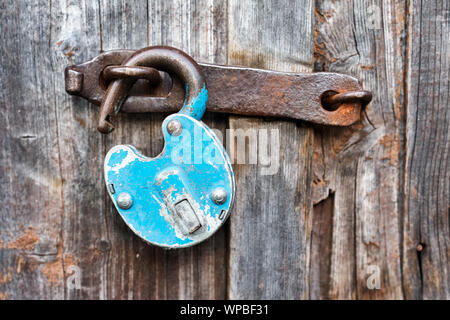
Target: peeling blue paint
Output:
[
  {"x": 197, "y": 107},
  {"x": 118, "y": 157},
  {"x": 157, "y": 185}
]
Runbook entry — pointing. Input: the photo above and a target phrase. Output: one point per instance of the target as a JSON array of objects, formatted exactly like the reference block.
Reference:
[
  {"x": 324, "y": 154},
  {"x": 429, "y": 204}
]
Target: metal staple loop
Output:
[{"x": 332, "y": 99}]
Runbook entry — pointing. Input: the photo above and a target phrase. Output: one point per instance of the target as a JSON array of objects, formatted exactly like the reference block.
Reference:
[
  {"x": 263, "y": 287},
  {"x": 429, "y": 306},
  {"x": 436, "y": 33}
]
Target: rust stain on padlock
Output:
[{"x": 322, "y": 98}]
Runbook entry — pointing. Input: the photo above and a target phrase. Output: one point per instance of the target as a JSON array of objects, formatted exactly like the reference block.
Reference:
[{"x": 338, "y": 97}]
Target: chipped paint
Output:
[
  {"x": 197, "y": 107},
  {"x": 157, "y": 185}
]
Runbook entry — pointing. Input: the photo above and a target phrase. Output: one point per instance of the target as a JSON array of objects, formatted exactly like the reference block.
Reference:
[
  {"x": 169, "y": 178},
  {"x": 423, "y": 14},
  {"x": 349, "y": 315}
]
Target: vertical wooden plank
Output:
[
  {"x": 426, "y": 226},
  {"x": 270, "y": 225},
  {"x": 124, "y": 26},
  {"x": 46, "y": 160},
  {"x": 139, "y": 271},
  {"x": 75, "y": 37},
  {"x": 362, "y": 165},
  {"x": 30, "y": 179},
  {"x": 322, "y": 232}
]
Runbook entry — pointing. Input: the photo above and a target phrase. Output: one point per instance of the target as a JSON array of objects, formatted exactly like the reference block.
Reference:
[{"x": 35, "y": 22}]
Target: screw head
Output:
[
  {"x": 219, "y": 196},
  {"x": 174, "y": 127},
  {"x": 124, "y": 201}
]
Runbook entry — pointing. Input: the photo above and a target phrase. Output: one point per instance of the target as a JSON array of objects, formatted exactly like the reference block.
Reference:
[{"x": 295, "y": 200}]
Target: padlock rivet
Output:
[
  {"x": 219, "y": 196},
  {"x": 174, "y": 127},
  {"x": 124, "y": 201}
]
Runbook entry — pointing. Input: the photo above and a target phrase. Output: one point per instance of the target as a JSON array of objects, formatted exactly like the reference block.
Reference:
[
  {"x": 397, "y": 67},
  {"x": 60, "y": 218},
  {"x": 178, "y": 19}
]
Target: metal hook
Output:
[{"x": 332, "y": 100}]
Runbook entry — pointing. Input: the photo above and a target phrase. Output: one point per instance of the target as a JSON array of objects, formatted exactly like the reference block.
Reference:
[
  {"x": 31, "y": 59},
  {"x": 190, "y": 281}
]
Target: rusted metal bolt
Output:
[
  {"x": 219, "y": 196},
  {"x": 124, "y": 201},
  {"x": 174, "y": 127},
  {"x": 74, "y": 81},
  {"x": 419, "y": 247}
]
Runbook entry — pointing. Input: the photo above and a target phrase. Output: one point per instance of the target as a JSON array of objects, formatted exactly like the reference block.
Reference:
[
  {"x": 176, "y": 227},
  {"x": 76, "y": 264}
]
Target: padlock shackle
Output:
[{"x": 164, "y": 58}]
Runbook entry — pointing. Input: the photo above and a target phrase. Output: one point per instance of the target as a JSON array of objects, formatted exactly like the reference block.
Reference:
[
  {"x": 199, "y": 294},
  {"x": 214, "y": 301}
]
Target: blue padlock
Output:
[{"x": 183, "y": 196}]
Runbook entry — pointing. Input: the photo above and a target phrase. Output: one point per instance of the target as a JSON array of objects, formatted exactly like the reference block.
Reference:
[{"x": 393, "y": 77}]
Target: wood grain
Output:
[
  {"x": 384, "y": 197},
  {"x": 47, "y": 138},
  {"x": 362, "y": 165},
  {"x": 270, "y": 225},
  {"x": 380, "y": 188},
  {"x": 427, "y": 161}
]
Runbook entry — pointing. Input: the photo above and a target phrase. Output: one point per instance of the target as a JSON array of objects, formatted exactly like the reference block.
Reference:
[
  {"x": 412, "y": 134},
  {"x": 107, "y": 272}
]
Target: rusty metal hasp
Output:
[{"x": 323, "y": 98}]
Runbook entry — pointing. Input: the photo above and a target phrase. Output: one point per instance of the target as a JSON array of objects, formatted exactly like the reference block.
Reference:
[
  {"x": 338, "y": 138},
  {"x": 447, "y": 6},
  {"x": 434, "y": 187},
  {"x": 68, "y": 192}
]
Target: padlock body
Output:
[{"x": 170, "y": 196}]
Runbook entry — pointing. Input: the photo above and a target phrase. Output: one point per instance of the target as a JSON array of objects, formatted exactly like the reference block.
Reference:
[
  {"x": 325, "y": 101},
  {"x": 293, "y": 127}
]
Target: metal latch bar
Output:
[{"x": 323, "y": 98}]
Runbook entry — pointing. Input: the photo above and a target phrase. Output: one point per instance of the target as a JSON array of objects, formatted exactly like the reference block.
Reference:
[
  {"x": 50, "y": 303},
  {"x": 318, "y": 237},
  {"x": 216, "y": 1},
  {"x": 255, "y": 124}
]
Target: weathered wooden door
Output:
[{"x": 352, "y": 213}]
